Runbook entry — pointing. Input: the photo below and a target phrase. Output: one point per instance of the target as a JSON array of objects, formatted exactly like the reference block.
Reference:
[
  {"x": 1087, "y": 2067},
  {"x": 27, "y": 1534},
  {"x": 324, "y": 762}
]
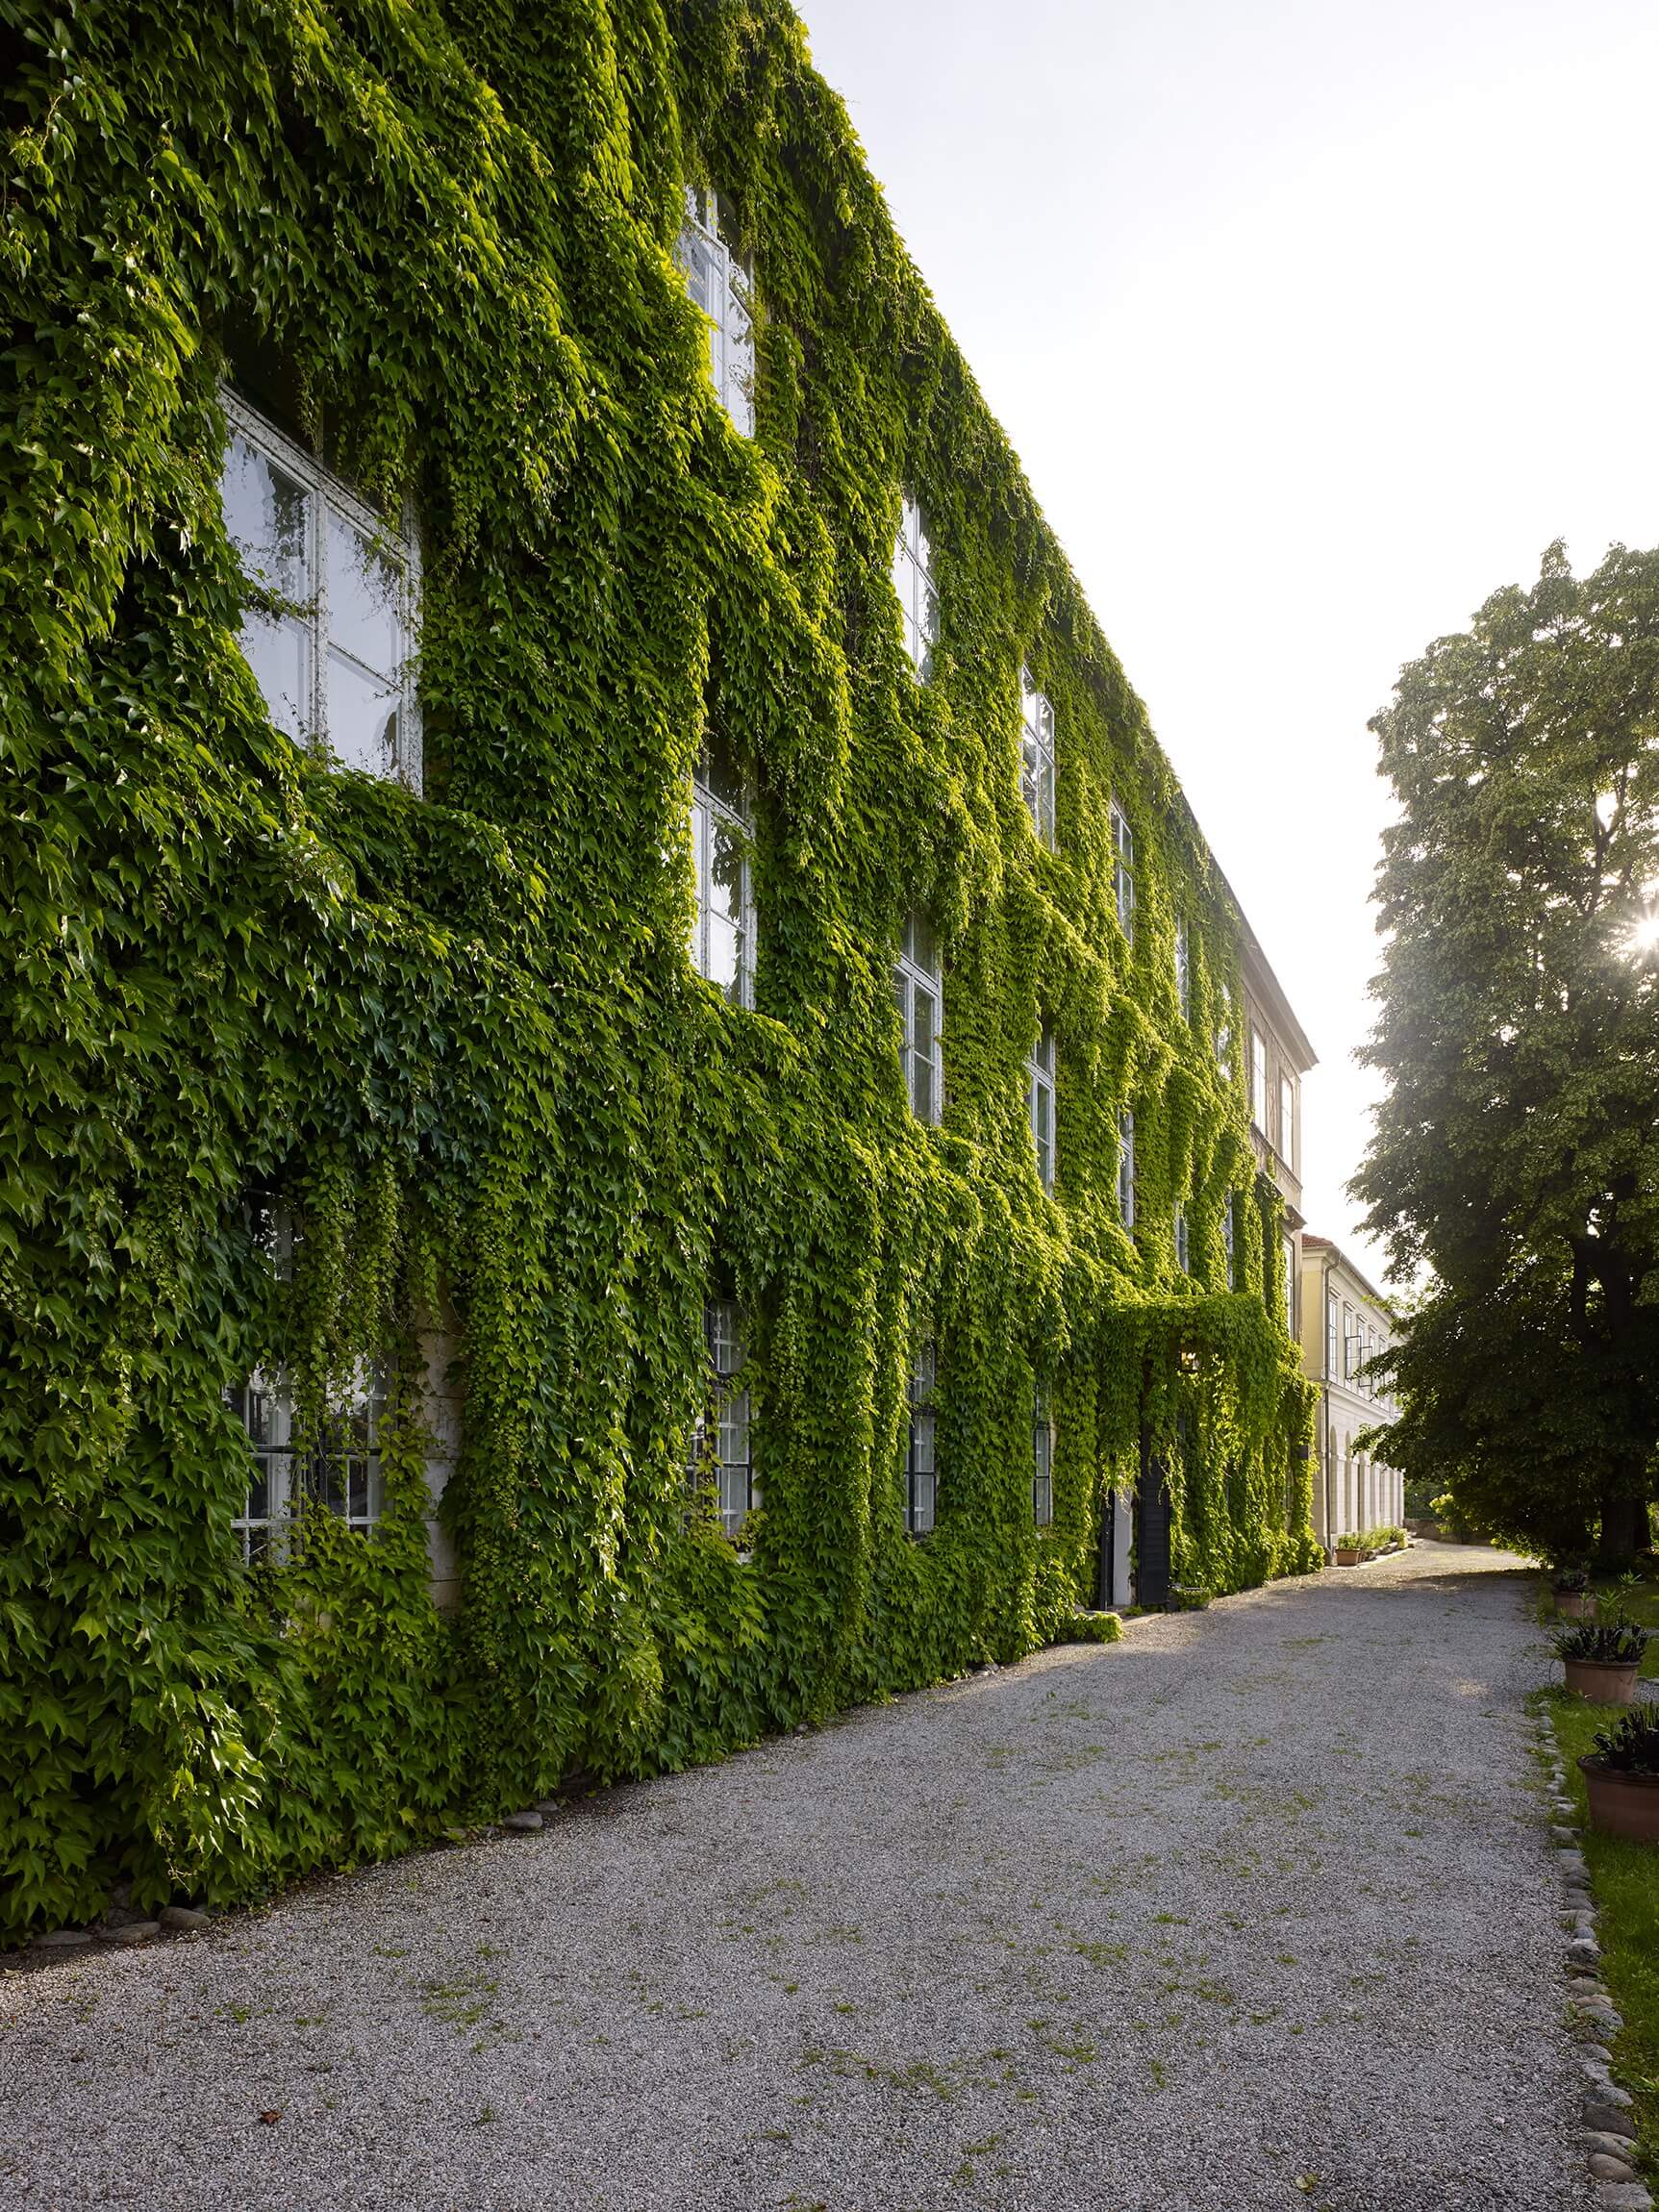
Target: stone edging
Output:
[{"x": 1609, "y": 2130}]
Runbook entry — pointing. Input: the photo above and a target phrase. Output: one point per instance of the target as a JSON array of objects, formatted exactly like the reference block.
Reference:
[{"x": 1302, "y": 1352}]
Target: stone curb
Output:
[
  {"x": 1609, "y": 2136},
  {"x": 120, "y": 1931}
]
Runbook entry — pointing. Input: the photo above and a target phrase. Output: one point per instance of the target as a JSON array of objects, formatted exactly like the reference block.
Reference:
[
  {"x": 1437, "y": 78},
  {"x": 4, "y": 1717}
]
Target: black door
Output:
[
  {"x": 1106, "y": 1571},
  {"x": 1151, "y": 1530}
]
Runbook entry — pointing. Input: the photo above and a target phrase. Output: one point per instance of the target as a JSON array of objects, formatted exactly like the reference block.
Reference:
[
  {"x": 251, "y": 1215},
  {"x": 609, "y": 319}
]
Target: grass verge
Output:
[{"x": 1625, "y": 1879}]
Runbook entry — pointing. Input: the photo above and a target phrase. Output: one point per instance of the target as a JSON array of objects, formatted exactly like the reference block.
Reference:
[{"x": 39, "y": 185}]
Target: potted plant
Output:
[
  {"x": 1348, "y": 1549},
  {"x": 1621, "y": 1776},
  {"x": 1601, "y": 1658},
  {"x": 1573, "y": 1596}
]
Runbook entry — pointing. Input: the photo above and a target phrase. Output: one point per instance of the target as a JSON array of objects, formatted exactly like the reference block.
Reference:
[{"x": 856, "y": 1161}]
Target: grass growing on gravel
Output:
[{"x": 1625, "y": 1879}]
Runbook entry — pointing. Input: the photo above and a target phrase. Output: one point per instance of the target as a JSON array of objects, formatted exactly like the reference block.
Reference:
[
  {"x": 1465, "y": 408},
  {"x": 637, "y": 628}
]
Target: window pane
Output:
[
  {"x": 277, "y": 648},
  {"x": 918, "y": 944},
  {"x": 700, "y": 260},
  {"x": 725, "y": 942},
  {"x": 726, "y": 870},
  {"x": 923, "y": 1086},
  {"x": 734, "y": 1497},
  {"x": 739, "y": 392},
  {"x": 720, "y": 773},
  {"x": 924, "y": 1018},
  {"x": 364, "y": 598},
  {"x": 922, "y": 1442},
  {"x": 922, "y": 1495},
  {"x": 362, "y": 713},
  {"x": 725, "y": 1336},
  {"x": 268, "y": 517},
  {"x": 734, "y": 1430},
  {"x": 701, "y": 870}
]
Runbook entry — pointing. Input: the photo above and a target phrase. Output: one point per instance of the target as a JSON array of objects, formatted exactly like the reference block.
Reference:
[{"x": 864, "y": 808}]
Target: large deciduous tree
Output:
[{"x": 1515, "y": 1161}]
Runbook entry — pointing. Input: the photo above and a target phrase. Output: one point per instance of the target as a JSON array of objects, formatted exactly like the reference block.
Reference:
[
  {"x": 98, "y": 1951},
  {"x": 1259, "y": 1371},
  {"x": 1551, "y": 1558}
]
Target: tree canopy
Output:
[{"x": 1515, "y": 1166}]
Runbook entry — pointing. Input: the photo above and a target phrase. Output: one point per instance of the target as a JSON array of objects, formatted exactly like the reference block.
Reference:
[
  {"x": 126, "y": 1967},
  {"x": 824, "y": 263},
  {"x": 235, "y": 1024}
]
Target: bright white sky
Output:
[{"x": 1312, "y": 321}]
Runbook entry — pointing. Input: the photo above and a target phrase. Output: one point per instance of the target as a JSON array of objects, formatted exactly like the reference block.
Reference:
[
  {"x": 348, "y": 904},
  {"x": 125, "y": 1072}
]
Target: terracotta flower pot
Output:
[
  {"x": 1576, "y": 1604},
  {"x": 1348, "y": 1555},
  {"x": 1603, "y": 1681},
  {"x": 1621, "y": 1804}
]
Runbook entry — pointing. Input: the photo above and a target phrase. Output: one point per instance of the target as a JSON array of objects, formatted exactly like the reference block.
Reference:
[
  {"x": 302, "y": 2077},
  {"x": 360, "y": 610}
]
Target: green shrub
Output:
[
  {"x": 1630, "y": 1746},
  {"x": 1094, "y": 1628},
  {"x": 1612, "y": 1642}
]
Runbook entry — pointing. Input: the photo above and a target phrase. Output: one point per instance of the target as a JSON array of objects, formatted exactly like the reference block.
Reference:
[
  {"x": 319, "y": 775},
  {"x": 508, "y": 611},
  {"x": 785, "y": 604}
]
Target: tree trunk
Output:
[{"x": 1625, "y": 1530}]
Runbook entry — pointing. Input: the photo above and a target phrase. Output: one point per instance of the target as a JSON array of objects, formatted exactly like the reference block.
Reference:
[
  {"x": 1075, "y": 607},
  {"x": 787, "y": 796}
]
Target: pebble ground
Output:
[{"x": 1255, "y": 1909}]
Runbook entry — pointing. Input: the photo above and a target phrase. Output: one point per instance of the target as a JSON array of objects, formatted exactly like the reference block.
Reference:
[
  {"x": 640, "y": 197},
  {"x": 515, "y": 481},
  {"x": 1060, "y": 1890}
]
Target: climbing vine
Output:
[{"x": 451, "y": 1042}]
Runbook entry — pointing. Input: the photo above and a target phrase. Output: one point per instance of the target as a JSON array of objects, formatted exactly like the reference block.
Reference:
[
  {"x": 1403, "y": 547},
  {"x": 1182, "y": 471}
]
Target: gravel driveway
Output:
[{"x": 1253, "y": 1909}]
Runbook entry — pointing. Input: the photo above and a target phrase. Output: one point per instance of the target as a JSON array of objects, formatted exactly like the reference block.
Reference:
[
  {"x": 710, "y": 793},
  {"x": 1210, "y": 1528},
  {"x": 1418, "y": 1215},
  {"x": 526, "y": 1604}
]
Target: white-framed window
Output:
[
  {"x": 723, "y": 927},
  {"x": 1230, "y": 1239},
  {"x": 1290, "y": 1285},
  {"x": 1183, "y": 1239},
  {"x": 1331, "y": 1335},
  {"x": 1223, "y": 1025},
  {"x": 919, "y": 989},
  {"x": 1123, "y": 871},
  {"x": 332, "y": 606},
  {"x": 721, "y": 1449},
  {"x": 723, "y": 286},
  {"x": 339, "y": 1468},
  {"x": 1042, "y": 1461},
  {"x": 1040, "y": 1085},
  {"x": 920, "y": 1467},
  {"x": 1350, "y": 1344},
  {"x": 913, "y": 581},
  {"x": 1287, "y": 1118},
  {"x": 1183, "y": 968},
  {"x": 1259, "y": 1080},
  {"x": 1127, "y": 1168},
  {"x": 1037, "y": 758}
]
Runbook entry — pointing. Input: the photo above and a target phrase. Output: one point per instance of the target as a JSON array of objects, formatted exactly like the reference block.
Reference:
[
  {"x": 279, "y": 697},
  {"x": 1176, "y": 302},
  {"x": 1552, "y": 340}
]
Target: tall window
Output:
[
  {"x": 333, "y": 597},
  {"x": 1123, "y": 871},
  {"x": 340, "y": 1468},
  {"x": 1259, "y": 1080},
  {"x": 1042, "y": 1461},
  {"x": 1290, "y": 1285},
  {"x": 720, "y": 1439},
  {"x": 1330, "y": 1337},
  {"x": 917, "y": 988},
  {"x": 1183, "y": 968},
  {"x": 1287, "y": 1118},
  {"x": 1037, "y": 758},
  {"x": 1127, "y": 1168},
  {"x": 1040, "y": 1079},
  {"x": 1229, "y": 1239},
  {"x": 1349, "y": 1344},
  {"x": 723, "y": 287},
  {"x": 1225, "y": 1025},
  {"x": 723, "y": 928},
  {"x": 913, "y": 581},
  {"x": 921, "y": 1471},
  {"x": 1183, "y": 1245}
]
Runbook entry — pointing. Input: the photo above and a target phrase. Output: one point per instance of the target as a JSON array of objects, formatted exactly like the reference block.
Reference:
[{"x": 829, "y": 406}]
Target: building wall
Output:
[
  {"x": 1353, "y": 1489},
  {"x": 447, "y": 1014}
]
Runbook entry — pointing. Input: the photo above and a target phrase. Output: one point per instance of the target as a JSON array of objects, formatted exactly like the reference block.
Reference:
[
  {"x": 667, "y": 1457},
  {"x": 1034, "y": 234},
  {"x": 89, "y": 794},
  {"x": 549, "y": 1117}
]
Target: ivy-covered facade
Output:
[{"x": 625, "y": 1115}]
